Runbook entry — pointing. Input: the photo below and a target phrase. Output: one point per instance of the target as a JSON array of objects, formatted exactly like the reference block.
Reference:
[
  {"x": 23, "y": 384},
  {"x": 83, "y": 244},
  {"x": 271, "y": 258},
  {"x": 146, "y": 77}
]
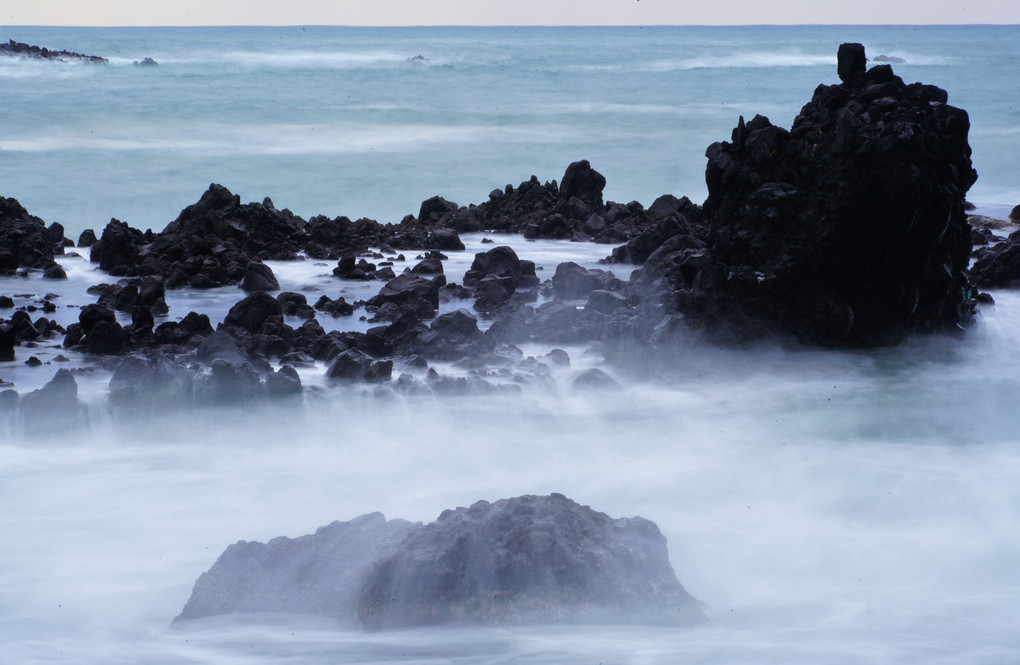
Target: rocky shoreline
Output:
[{"x": 848, "y": 230}]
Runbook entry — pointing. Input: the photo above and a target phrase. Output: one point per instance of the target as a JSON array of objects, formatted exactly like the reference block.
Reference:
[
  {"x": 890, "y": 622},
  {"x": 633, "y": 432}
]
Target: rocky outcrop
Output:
[
  {"x": 25, "y": 242},
  {"x": 523, "y": 560},
  {"x": 15, "y": 49},
  {"x": 848, "y": 229}
]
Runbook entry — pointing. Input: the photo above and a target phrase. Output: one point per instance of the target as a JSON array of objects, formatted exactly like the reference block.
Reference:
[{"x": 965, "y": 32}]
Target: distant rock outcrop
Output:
[
  {"x": 19, "y": 50},
  {"x": 522, "y": 560}
]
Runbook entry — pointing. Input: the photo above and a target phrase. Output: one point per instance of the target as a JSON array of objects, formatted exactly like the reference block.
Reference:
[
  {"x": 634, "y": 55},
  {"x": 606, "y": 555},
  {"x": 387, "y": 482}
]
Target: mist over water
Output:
[{"x": 825, "y": 506}]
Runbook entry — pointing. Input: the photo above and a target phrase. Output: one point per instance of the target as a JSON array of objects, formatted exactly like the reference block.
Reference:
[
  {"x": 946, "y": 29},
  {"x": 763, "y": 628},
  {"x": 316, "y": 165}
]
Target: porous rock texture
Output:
[{"x": 849, "y": 229}]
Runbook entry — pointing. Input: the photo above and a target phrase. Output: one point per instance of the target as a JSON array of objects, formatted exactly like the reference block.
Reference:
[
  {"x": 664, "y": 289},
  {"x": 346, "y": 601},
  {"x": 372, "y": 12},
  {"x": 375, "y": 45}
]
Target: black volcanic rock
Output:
[
  {"x": 259, "y": 277},
  {"x": 848, "y": 229},
  {"x": 24, "y": 239},
  {"x": 26, "y": 51},
  {"x": 251, "y": 312},
  {"x": 530, "y": 559}
]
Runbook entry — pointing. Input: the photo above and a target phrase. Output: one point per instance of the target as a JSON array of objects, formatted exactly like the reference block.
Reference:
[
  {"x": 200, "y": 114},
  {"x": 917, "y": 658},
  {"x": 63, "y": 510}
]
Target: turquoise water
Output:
[{"x": 334, "y": 121}]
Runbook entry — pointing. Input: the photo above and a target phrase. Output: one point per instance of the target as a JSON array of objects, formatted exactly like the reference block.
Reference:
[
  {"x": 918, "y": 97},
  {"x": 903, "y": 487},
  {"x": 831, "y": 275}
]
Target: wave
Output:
[
  {"x": 753, "y": 60},
  {"x": 285, "y": 139},
  {"x": 296, "y": 60}
]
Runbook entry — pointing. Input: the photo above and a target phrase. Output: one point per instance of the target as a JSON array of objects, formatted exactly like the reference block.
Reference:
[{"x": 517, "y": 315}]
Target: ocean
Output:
[{"x": 825, "y": 506}]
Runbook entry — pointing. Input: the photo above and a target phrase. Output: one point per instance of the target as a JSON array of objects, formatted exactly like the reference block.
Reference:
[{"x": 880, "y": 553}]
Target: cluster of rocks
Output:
[
  {"x": 27, "y": 243},
  {"x": 997, "y": 259},
  {"x": 19, "y": 50},
  {"x": 573, "y": 209},
  {"x": 529, "y": 559},
  {"x": 848, "y": 229}
]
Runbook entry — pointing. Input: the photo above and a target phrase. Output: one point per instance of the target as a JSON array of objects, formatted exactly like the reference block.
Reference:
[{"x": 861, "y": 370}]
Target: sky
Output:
[{"x": 502, "y": 12}]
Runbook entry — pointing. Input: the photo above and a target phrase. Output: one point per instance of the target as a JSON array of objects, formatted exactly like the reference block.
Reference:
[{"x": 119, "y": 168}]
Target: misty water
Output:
[
  {"x": 825, "y": 506},
  {"x": 835, "y": 506}
]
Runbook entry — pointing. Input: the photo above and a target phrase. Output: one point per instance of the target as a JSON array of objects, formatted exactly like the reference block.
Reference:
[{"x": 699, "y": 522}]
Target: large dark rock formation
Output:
[
  {"x": 521, "y": 560},
  {"x": 848, "y": 229}
]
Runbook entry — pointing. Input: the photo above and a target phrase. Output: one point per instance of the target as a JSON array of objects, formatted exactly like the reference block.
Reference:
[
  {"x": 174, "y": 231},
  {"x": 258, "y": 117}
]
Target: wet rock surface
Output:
[
  {"x": 848, "y": 229},
  {"x": 522, "y": 560}
]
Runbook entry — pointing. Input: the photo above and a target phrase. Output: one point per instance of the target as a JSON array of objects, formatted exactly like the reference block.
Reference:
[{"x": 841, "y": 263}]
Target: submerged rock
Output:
[{"x": 522, "y": 560}]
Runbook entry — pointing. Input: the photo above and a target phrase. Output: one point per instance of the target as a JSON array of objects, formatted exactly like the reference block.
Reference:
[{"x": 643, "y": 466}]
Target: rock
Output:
[
  {"x": 847, "y": 230},
  {"x": 559, "y": 323},
  {"x": 117, "y": 250},
  {"x": 285, "y": 381},
  {"x": 24, "y": 238},
  {"x": 259, "y": 277},
  {"x": 251, "y": 312},
  {"x": 55, "y": 406},
  {"x": 8, "y": 339},
  {"x": 584, "y": 182},
  {"x": 319, "y": 574},
  {"x": 220, "y": 345},
  {"x": 997, "y": 266},
  {"x": 55, "y": 271},
  {"x": 228, "y": 383},
  {"x": 155, "y": 381},
  {"x": 406, "y": 289},
  {"x": 595, "y": 379},
  {"x": 355, "y": 365},
  {"x": 499, "y": 261},
  {"x": 851, "y": 63},
  {"x": 90, "y": 315},
  {"x": 28, "y": 52},
  {"x": 530, "y": 559},
  {"x": 559, "y": 357},
  {"x": 146, "y": 62},
  {"x": 9, "y": 400},
  {"x": 453, "y": 336},
  {"x": 444, "y": 239},
  {"x": 1014, "y": 214},
  {"x": 87, "y": 238},
  {"x": 106, "y": 338}
]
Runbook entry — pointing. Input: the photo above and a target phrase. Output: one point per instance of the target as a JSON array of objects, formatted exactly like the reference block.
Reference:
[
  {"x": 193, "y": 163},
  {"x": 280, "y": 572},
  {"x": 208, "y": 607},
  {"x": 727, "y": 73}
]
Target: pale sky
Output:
[{"x": 503, "y": 12}]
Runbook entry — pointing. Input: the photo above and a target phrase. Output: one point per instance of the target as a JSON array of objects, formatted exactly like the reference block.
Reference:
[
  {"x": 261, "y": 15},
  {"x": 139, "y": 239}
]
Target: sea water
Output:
[{"x": 838, "y": 507}]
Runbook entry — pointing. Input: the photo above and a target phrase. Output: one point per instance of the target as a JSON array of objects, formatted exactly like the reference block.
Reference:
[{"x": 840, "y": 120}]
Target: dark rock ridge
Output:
[
  {"x": 20, "y": 50},
  {"x": 522, "y": 560},
  {"x": 848, "y": 229}
]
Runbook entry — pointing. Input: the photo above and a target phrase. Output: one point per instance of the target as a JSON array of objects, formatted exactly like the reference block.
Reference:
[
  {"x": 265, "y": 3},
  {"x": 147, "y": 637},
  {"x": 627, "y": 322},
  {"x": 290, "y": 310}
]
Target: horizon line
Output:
[{"x": 550, "y": 25}]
